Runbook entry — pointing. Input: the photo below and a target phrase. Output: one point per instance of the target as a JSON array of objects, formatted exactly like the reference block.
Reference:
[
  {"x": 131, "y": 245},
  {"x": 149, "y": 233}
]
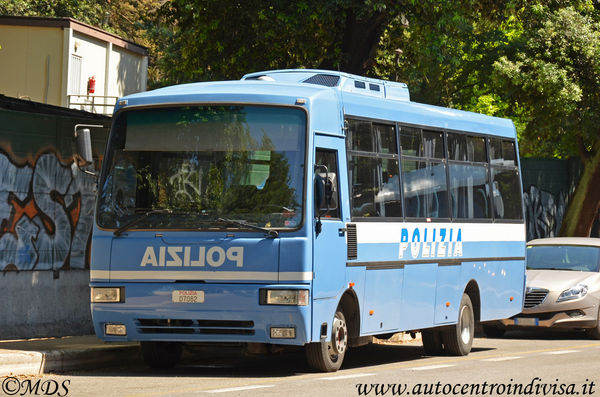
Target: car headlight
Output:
[
  {"x": 578, "y": 291},
  {"x": 294, "y": 297}
]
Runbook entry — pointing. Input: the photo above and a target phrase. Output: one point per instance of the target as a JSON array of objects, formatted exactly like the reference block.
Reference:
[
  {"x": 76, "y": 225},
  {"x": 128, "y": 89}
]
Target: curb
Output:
[{"x": 28, "y": 363}]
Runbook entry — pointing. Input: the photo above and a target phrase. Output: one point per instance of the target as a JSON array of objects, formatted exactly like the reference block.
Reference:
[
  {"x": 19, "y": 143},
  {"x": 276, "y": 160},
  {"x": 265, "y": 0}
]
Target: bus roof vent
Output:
[
  {"x": 262, "y": 77},
  {"x": 327, "y": 80}
]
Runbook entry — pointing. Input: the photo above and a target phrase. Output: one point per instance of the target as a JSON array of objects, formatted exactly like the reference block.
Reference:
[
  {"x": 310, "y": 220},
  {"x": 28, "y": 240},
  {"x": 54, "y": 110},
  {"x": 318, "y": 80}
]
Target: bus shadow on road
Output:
[
  {"x": 232, "y": 363},
  {"x": 544, "y": 334}
]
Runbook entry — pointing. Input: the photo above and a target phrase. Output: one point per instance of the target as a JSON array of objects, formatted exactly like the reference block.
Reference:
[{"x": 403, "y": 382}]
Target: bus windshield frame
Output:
[{"x": 191, "y": 166}]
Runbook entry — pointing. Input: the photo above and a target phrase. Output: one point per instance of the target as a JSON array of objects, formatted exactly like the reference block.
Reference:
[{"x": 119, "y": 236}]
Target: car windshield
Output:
[
  {"x": 191, "y": 167},
  {"x": 563, "y": 257}
]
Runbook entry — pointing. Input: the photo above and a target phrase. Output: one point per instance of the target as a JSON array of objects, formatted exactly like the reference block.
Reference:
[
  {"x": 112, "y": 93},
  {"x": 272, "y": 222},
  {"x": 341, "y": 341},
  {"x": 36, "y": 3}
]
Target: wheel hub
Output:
[
  {"x": 465, "y": 325},
  {"x": 339, "y": 337}
]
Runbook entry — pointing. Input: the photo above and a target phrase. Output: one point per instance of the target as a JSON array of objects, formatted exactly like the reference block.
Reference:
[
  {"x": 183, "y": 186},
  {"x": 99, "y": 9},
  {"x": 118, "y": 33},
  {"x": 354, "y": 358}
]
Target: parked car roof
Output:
[{"x": 590, "y": 241}]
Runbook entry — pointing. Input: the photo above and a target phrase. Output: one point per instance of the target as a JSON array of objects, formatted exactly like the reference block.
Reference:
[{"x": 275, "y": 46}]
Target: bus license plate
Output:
[{"x": 187, "y": 296}]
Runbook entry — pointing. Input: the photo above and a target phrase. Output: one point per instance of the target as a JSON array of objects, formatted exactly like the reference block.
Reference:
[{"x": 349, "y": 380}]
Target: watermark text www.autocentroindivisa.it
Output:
[
  {"x": 16, "y": 386},
  {"x": 536, "y": 387}
]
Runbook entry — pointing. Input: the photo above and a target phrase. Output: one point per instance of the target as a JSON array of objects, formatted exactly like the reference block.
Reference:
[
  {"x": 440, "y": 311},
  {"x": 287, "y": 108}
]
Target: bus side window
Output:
[
  {"x": 506, "y": 184},
  {"x": 328, "y": 158},
  {"x": 423, "y": 173},
  {"x": 373, "y": 170}
]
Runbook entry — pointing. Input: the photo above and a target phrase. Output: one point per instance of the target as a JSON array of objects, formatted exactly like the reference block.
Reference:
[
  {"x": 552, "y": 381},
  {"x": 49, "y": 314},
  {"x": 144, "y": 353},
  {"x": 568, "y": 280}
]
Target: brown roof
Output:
[{"x": 77, "y": 26}]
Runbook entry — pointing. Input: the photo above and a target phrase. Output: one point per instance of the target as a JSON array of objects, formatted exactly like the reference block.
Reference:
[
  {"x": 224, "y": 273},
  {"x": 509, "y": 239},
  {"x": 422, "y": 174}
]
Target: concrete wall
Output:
[
  {"x": 45, "y": 303},
  {"x": 46, "y": 216}
]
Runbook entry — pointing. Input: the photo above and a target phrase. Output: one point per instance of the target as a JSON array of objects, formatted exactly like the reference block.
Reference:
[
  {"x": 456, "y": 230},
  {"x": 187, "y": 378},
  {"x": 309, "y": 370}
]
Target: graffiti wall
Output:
[
  {"x": 548, "y": 185},
  {"x": 544, "y": 212},
  {"x": 46, "y": 213}
]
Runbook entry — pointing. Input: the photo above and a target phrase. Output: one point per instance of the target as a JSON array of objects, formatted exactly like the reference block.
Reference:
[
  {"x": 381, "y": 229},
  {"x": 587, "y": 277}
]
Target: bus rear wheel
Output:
[
  {"x": 458, "y": 339},
  {"x": 161, "y": 355},
  {"x": 328, "y": 356}
]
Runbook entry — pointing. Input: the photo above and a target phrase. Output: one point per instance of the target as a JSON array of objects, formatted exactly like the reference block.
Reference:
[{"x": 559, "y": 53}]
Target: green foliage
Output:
[
  {"x": 553, "y": 77},
  {"x": 213, "y": 40}
]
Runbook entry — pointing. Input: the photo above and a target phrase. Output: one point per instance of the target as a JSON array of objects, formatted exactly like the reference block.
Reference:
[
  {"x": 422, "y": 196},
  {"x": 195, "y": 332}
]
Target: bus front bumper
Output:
[{"x": 214, "y": 313}]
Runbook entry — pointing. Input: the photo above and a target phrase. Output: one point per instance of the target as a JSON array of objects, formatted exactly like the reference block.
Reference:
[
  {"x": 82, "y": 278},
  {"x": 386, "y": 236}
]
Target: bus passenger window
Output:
[
  {"x": 373, "y": 174},
  {"x": 423, "y": 173},
  {"x": 469, "y": 177},
  {"x": 506, "y": 184},
  {"x": 425, "y": 192}
]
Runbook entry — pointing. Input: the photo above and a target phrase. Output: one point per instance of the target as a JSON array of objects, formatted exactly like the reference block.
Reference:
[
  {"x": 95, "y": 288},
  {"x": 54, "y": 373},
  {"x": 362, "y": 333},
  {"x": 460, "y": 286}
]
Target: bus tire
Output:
[
  {"x": 432, "y": 342},
  {"x": 328, "y": 356},
  {"x": 161, "y": 355},
  {"x": 458, "y": 338}
]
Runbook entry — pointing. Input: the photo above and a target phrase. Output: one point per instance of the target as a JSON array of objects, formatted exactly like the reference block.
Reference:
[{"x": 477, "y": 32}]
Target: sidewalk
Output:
[{"x": 44, "y": 355}]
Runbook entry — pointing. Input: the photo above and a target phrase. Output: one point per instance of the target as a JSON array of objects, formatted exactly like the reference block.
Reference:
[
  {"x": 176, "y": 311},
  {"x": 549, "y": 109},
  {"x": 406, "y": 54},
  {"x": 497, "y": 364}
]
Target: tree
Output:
[
  {"x": 215, "y": 40},
  {"x": 553, "y": 82}
]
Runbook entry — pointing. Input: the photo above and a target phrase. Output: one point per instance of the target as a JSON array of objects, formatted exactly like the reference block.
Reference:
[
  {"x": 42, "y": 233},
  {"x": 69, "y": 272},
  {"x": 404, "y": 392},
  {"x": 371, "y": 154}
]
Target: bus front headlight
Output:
[
  {"x": 292, "y": 297},
  {"x": 107, "y": 294}
]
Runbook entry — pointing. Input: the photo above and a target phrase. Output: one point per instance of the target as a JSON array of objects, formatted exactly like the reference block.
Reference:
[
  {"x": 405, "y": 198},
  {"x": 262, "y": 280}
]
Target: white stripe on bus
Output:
[
  {"x": 390, "y": 232},
  {"x": 192, "y": 275}
]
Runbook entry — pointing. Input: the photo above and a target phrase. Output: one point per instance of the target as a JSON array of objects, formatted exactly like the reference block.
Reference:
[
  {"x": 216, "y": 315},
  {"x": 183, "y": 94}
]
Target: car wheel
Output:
[{"x": 458, "y": 339}]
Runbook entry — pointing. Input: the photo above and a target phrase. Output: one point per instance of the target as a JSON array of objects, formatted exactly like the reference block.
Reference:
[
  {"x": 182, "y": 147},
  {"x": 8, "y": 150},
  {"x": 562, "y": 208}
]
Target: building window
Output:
[{"x": 75, "y": 75}]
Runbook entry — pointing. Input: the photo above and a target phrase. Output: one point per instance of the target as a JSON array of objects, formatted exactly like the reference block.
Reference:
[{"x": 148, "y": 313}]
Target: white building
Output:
[{"x": 63, "y": 62}]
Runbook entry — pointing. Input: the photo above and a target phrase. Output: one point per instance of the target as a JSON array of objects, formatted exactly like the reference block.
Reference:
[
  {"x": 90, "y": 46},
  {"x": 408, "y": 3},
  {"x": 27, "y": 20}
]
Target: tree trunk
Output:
[
  {"x": 359, "y": 42},
  {"x": 583, "y": 206}
]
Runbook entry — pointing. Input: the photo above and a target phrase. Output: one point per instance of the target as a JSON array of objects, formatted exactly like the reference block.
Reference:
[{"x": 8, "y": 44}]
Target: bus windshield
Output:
[{"x": 203, "y": 165}]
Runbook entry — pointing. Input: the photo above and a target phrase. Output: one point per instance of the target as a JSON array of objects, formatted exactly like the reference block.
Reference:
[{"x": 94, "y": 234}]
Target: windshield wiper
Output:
[
  {"x": 143, "y": 216},
  {"x": 271, "y": 233}
]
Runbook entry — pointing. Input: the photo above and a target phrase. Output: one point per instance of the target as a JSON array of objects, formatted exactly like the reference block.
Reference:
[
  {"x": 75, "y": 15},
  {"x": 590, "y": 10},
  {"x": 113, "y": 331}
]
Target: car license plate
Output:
[
  {"x": 527, "y": 321},
  {"x": 187, "y": 296}
]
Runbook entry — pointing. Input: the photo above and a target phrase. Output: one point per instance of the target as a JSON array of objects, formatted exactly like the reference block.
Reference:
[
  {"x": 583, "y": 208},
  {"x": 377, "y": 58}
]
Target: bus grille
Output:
[
  {"x": 534, "y": 296},
  {"x": 323, "y": 79},
  {"x": 206, "y": 327},
  {"x": 352, "y": 241}
]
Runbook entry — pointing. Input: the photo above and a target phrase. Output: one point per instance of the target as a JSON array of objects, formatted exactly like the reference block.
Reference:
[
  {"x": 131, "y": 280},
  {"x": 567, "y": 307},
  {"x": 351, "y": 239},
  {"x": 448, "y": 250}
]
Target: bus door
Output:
[{"x": 330, "y": 241}]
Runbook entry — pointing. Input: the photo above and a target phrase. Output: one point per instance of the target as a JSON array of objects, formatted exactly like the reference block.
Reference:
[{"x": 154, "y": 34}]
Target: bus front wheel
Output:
[
  {"x": 328, "y": 356},
  {"x": 161, "y": 355},
  {"x": 458, "y": 339}
]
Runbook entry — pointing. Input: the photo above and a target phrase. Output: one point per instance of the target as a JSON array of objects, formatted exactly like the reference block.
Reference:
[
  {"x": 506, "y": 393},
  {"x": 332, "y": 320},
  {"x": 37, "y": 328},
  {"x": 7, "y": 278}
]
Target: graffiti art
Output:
[{"x": 46, "y": 213}]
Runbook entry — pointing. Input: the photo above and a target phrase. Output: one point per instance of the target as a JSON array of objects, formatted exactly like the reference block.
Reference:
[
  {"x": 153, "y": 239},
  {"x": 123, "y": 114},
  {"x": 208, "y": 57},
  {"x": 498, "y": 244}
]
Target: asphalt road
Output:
[{"x": 517, "y": 364}]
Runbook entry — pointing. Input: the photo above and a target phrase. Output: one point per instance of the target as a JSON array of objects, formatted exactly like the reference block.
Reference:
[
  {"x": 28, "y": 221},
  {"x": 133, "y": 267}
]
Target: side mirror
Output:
[
  {"x": 325, "y": 194},
  {"x": 330, "y": 199},
  {"x": 83, "y": 142},
  {"x": 319, "y": 193}
]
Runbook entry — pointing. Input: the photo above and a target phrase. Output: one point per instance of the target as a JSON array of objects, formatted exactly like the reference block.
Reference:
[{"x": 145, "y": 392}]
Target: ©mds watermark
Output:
[{"x": 13, "y": 386}]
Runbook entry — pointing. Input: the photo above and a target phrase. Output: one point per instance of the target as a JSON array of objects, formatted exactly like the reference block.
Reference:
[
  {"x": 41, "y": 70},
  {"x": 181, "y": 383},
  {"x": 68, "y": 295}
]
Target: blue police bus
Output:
[{"x": 305, "y": 208}]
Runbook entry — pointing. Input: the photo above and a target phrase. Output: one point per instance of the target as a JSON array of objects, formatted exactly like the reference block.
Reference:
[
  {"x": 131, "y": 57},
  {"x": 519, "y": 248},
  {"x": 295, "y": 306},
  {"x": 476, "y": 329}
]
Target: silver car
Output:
[{"x": 563, "y": 286}]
